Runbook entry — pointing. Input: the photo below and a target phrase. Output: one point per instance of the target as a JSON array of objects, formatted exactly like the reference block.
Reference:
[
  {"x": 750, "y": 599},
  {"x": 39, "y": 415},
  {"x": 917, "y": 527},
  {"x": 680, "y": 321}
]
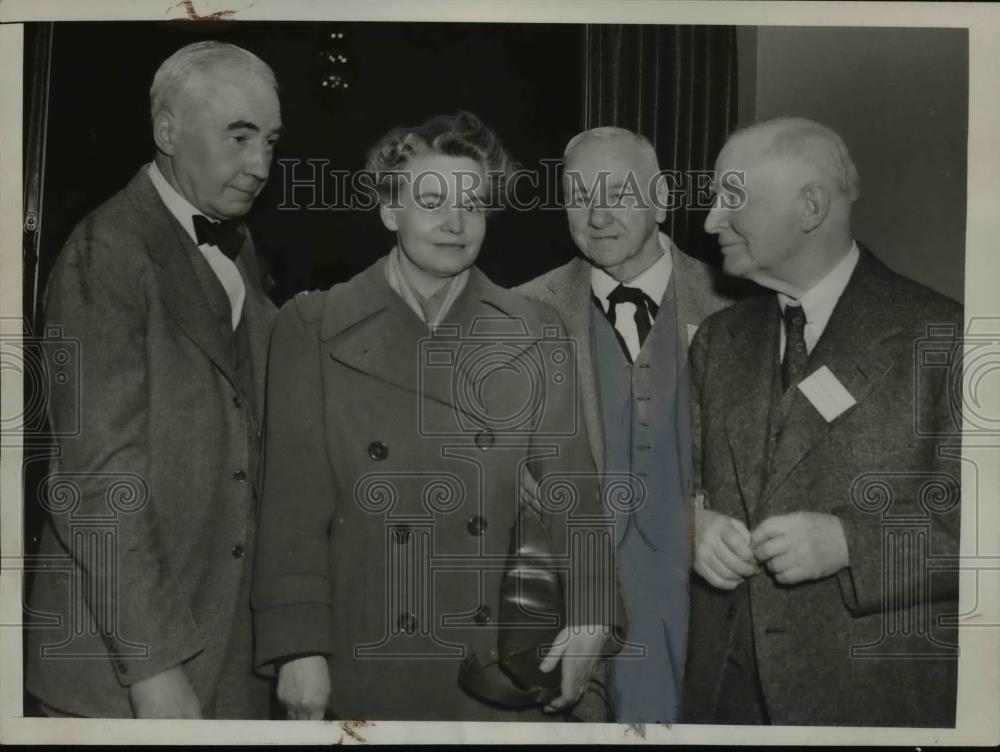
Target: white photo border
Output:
[{"x": 978, "y": 718}]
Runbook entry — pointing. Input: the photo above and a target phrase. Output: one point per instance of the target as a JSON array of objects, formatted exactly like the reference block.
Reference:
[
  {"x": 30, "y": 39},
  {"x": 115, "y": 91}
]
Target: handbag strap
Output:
[{"x": 489, "y": 682}]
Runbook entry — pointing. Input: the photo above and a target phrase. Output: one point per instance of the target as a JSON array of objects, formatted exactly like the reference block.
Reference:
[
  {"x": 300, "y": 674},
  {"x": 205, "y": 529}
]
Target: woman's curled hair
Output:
[{"x": 459, "y": 135}]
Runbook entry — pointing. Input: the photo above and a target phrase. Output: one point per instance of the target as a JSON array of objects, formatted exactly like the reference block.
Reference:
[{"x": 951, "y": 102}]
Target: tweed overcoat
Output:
[
  {"x": 391, "y": 487},
  {"x": 863, "y": 647},
  {"x": 151, "y": 500}
]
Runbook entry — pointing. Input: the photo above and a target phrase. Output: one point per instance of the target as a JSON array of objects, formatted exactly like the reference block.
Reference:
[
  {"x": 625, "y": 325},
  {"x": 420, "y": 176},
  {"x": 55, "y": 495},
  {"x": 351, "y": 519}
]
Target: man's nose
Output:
[
  {"x": 599, "y": 217},
  {"x": 715, "y": 219},
  {"x": 258, "y": 163}
]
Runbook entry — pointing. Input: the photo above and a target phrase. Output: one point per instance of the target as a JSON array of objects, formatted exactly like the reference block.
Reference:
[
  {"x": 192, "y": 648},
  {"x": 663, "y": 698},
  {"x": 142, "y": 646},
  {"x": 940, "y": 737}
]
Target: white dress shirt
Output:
[
  {"x": 225, "y": 268},
  {"x": 653, "y": 281},
  {"x": 820, "y": 300}
]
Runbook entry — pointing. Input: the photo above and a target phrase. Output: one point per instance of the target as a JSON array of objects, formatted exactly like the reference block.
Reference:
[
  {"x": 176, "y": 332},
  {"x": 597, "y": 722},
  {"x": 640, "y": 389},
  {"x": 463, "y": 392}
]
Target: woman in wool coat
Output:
[{"x": 402, "y": 407}]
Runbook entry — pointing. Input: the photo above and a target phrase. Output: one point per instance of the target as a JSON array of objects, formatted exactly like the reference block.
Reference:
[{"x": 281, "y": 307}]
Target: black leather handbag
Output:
[{"x": 531, "y": 616}]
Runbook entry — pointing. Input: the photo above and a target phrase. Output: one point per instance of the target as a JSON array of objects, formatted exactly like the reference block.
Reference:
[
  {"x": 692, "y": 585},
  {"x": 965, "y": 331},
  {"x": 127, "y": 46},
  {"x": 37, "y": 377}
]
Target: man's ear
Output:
[
  {"x": 662, "y": 197},
  {"x": 815, "y": 199},
  {"x": 164, "y": 131},
  {"x": 388, "y": 217}
]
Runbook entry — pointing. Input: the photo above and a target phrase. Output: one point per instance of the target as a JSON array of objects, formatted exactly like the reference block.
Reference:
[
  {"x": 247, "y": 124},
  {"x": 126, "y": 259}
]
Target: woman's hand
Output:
[
  {"x": 578, "y": 647},
  {"x": 304, "y": 687}
]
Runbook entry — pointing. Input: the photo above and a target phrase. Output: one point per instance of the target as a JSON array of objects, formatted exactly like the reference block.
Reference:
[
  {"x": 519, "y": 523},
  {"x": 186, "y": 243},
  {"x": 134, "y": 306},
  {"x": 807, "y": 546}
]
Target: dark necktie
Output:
[
  {"x": 224, "y": 235},
  {"x": 793, "y": 367},
  {"x": 645, "y": 308}
]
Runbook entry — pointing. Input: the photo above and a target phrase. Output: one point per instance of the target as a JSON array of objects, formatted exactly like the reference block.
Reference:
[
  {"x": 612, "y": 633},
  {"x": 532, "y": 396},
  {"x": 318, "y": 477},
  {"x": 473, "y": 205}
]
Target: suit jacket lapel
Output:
[
  {"x": 171, "y": 250},
  {"x": 753, "y": 349},
  {"x": 689, "y": 312},
  {"x": 571, "y": 296},
  {"x": 258, "y": 313},
  {"x": 852, "y": 348},
  {"x": 684, "y": 316}
]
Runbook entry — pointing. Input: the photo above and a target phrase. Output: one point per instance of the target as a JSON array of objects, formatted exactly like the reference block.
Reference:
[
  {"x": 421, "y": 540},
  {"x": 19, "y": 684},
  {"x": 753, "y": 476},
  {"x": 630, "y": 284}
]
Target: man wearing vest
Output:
[
  {"x": 631, "y": 303},
  {"x": 160, "y": 287},
  {"x": 828, "y": 489}
]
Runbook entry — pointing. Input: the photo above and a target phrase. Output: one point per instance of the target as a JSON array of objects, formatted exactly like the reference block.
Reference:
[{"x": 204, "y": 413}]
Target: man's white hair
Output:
[
  {"x": 642, "y": 144},
  {"x": 814, "y": 143},
  {"x": 197, "y": 58}
]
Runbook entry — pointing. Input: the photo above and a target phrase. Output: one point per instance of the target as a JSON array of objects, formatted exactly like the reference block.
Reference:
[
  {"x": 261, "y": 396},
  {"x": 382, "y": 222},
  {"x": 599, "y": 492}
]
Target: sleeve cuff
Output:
[
  {"x": 861, "y": 592},
  {"x": 285, "y": 631}
]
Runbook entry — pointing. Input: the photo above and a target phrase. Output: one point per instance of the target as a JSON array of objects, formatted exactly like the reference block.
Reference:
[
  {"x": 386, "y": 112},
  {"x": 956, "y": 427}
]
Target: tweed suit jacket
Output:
[
  {"x": 865, "y": 646},
  {"x": 567, "y": 289},
  {"x": 157, "y": 461}
]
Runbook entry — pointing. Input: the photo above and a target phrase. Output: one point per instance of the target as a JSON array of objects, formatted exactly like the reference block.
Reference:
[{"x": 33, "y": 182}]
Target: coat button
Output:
[
  {"x": 485, "y": 439},
  {"x": 238, "y": 552},
  {"x": 731, "y": 612},
  {"x": 240, "y": 475},
  {"x": 237, "y": 402},
  {"x": 482, "y": 615},
  {"x": 378, "y": 451},
  {"x": 407, "y": 623},
  {"x": 401, "y": 534},
  {"x": 476, "y": 526}
]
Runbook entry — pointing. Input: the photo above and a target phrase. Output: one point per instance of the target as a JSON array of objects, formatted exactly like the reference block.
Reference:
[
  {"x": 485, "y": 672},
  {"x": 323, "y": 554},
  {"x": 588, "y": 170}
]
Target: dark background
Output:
[
  {"x": 522, "y": 80},
  {"x": 898, "y": 96}
]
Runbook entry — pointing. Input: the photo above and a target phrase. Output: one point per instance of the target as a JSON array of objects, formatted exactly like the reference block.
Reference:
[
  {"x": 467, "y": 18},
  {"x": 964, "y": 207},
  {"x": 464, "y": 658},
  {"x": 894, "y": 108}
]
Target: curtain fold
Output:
[{"x": 677, "y": 85}]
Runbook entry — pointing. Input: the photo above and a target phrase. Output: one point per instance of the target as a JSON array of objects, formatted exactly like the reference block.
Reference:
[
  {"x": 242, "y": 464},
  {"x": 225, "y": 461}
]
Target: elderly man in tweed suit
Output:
[
  {"x": 632, "y": 302},
  {"x": 814, "y": 602},
  {"x": 161, "y": 289}
]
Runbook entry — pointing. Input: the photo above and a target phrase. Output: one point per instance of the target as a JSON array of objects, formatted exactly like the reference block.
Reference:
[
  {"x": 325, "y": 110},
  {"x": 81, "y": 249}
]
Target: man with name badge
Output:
[{"x": 809, "y": 606}]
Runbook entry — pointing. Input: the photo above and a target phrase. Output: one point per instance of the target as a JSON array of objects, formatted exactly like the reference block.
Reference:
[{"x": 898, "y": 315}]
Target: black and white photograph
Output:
[{"x": 600, "y": 372}]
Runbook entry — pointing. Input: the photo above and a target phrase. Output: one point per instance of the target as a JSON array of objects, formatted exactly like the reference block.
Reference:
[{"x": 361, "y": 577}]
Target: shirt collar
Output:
[
  {"x": 179, "y": 206},
  {"x": 819, "y": 300},
  {"x": 401, "y": 286},
  {"x": 653, "y": 280}
]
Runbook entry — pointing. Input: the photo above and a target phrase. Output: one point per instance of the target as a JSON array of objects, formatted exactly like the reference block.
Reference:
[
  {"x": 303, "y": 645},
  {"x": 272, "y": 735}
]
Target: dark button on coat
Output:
[{"x": 332, "y": 576}]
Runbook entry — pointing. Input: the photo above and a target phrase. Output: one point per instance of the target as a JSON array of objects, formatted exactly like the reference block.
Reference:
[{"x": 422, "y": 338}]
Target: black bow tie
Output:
[
  {"x": 645, "y": 308},
  {"x": 225, "y": 236}
]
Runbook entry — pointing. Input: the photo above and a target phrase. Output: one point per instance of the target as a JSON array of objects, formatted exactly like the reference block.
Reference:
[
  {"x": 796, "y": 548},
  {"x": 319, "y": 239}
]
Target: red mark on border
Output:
[{"x": 193, "y": 15}]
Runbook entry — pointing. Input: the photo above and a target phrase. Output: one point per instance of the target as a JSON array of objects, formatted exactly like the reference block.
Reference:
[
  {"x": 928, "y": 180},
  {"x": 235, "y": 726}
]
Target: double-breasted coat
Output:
[
  {"x": 391, "y": 487},
  {"x": 872, "y": 644},
  {"x": 146, "y": 554}
]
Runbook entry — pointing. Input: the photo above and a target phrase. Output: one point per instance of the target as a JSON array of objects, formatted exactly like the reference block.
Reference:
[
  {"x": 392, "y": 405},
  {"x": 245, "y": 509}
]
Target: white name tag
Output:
[
  {"x": 692, "y": 330},
  {"x": 826, "y": 393}
]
